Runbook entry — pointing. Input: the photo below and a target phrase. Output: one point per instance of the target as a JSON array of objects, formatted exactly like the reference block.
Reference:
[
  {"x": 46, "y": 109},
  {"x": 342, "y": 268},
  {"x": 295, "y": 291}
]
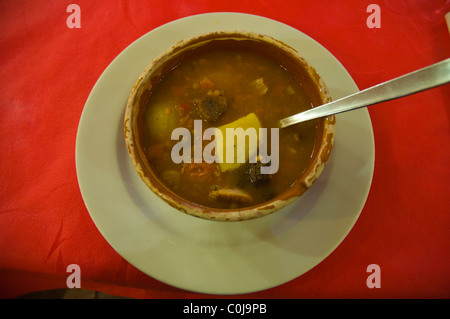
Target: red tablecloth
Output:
[{"x": 48, "y": 70}]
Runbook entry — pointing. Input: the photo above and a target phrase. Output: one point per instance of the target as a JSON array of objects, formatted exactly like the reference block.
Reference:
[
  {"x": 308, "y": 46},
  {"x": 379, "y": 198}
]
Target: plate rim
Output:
[{"x": 101, "y": 78}]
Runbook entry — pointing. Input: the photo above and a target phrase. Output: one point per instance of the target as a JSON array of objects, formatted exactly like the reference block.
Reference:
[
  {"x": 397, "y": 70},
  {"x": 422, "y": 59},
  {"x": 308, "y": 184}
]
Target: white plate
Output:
[{"x": 214, "y": 257}]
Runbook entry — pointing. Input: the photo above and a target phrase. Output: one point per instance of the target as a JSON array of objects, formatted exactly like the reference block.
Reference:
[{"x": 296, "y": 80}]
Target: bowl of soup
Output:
[{"x": 201, "y": 126}]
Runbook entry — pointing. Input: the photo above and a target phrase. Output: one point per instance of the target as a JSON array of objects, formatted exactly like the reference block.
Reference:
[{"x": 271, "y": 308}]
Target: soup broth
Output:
[{"x": 219, "y": 87}]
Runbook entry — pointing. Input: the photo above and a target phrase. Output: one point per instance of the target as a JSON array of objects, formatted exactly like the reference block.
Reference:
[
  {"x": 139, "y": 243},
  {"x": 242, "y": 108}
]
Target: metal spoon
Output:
[{"x": 414, "y": 82}]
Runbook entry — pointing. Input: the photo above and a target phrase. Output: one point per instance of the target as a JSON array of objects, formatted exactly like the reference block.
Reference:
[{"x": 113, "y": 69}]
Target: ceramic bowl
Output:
[{"x": 276, "y": 50}]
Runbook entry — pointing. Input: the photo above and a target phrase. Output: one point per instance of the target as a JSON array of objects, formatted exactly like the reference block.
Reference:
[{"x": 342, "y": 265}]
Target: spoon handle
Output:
[{"x": 414, "y": 82}]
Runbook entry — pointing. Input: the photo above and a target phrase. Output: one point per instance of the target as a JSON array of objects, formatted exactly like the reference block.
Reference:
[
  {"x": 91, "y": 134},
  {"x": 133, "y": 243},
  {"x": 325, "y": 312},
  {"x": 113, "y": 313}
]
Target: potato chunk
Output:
[
  {"x": 250, "y": 148},
  {"x": 160, "y": 120}
]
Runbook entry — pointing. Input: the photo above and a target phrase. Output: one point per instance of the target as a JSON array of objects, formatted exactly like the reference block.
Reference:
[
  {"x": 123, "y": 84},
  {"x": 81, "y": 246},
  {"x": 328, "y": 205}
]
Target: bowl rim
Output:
[{"x": 303, "y": 183}]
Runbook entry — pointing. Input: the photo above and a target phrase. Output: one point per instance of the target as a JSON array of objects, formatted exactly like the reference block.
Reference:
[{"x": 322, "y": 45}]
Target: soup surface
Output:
[{"x": 219, "y": 87}]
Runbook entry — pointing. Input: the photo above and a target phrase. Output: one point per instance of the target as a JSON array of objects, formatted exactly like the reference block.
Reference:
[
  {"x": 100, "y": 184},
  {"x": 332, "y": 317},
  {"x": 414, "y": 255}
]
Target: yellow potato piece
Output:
[
  {"x": 160, "y": 122},
  {"x": 241, "y": 140}
]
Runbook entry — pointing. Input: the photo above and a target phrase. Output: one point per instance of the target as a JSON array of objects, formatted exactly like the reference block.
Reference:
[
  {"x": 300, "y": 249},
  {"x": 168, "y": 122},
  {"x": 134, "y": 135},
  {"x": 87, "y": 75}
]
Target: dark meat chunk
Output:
[
  {"x": 212, "y": 105},
  {"x": 253, "y": 173}
]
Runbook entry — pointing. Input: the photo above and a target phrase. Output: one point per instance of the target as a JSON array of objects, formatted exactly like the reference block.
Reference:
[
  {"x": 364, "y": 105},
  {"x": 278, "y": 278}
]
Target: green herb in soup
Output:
[{"x": 224, "y": 88}]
